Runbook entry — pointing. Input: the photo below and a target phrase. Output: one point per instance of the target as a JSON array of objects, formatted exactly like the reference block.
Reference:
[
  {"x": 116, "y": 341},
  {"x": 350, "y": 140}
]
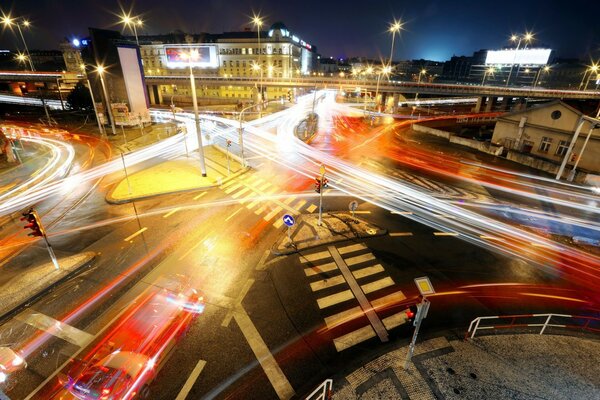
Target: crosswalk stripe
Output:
[
  {"x": 315, "y": 256},
  {"x": 377, "y": 285},
  {"x": 233, "y": 188},
  {"x": 311, "y": 208},
  {"x": 353, "y": 338},
  {"x": 290, "y": 199},
  {"x": 226, "y": 184},
  {"x": 200, "y": 195},
  {"x": 54, "y": 327},
  {"x": 240, "y": 192},
  {"x": 278, "y": 223},
  {"x": 253, "y": 204},
  {"x": 320, "y": 269},
  {"x": 335, "y": 298},
  {"x": 368, "y": 271},
  {"x": 393, "y": 298},
  {"x": 343, "y": 317},
  {"x": 351, "y": 248},
  {"x": 247, "y": 197},
  {"x": 359, "y": 259},
  {"x": 261, "y": 209},
  {"x": 299, "y": 204},
  {"x": 264, "y": 186},
  {"x": 396, "y": 234},
  {"x": 327, "y": 283},
  {"x": 394, "y": 320},
  {"x": 445, "y": 233},
  {"x": 273, "y": 213}
]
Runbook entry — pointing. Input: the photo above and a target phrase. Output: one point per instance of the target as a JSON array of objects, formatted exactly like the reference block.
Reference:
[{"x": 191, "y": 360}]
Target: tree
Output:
[{"x": 79, "y": 98}]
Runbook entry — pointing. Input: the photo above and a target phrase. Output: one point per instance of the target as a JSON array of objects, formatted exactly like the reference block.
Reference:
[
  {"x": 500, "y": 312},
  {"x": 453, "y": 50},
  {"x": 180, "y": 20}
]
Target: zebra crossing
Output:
[
  {"x": 251, "y": 190},
  {"x": 351, "y": 284}
]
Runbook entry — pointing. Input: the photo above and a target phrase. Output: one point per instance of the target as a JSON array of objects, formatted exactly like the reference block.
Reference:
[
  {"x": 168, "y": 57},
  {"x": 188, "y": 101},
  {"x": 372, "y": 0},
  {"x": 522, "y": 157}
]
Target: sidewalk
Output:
[
  {"x": 32, "y": 282},
  {"x": 523, "y": 366},
  {"x": 174, "y": 176},
  {"x": 136, "y": 138}
]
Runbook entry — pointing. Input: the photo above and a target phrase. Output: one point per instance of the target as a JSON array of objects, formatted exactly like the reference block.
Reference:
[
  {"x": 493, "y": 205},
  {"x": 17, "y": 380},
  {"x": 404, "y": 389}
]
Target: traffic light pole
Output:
[
  {"x": 51, "y": 252},
  {"x": 321, "y": 196},
  {"x": 422, "y": 309}
]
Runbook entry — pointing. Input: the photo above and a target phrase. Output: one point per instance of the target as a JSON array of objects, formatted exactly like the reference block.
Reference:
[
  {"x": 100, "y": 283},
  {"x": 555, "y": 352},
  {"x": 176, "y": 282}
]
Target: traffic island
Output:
[
  {"x": 30, "y": 284},
  {"x": 306, "y": 233}
]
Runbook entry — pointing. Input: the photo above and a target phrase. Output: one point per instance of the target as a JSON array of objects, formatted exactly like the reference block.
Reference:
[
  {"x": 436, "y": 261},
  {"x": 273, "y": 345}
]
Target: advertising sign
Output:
[
  {"x": 521, "y": 56},
  {"x": 202, "y": 56}
]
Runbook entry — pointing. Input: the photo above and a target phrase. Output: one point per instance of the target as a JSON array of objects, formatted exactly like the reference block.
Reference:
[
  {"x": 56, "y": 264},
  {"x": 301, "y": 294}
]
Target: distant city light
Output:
[{"x": 76, "y": 42}]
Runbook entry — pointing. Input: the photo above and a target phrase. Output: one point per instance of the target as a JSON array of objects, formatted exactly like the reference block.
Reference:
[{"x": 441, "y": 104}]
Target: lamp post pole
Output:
[
  {"x": 107, "y": 101},
  {"x": 25, "y": 45},
  {"x": 89, "y": 85},
  {"x": 197, "y": 118}
]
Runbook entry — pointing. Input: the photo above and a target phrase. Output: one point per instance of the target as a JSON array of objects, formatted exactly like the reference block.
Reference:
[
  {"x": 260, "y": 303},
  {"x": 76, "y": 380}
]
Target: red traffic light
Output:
[
  {"x": 33, "y": 224},
  {"x": 318, "y": 185}
]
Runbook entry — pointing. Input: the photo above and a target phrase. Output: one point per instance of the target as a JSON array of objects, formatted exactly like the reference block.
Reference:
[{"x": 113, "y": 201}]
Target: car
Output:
[
  {"x": 124, "y": 362},
  {"x": 10, "y": 362}
]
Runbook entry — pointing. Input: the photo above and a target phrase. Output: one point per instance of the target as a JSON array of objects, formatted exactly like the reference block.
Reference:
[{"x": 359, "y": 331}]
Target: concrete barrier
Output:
[
  {"x": 431, "y": 131},
  {"x": 485, "y": 147}
]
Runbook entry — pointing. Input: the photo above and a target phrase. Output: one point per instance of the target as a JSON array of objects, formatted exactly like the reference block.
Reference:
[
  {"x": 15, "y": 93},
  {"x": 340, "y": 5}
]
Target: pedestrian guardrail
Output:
[
  {"x": 543, "y": 321},
  {"x": 322, "y": 392}
]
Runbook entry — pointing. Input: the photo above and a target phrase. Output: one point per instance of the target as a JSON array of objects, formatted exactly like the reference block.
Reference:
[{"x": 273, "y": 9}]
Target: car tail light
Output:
[{"x": 105, "y": 391}]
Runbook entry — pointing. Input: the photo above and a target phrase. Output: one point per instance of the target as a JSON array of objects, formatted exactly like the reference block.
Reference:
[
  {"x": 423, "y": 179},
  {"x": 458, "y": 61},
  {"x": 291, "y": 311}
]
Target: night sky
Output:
[{"x": 434, "y": 30}]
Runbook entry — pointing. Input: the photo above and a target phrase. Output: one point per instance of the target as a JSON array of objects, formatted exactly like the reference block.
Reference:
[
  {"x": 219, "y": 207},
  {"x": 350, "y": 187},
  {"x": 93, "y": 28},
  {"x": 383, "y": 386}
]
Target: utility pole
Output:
[{"x": 322, "y": 180}]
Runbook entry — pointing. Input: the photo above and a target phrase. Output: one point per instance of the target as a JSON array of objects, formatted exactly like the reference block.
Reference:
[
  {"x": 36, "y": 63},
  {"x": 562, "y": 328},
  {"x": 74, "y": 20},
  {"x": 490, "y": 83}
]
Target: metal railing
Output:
[
  {"x": 322, "y": 392},
  {"x": 543, "y": 321}
]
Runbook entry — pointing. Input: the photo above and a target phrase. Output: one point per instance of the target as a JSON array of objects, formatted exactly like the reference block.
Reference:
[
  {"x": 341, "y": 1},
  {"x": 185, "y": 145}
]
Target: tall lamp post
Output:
[
  {"x": 384, "y": 70},
  {"x": 592, "y": 70},
  {"x": 89, "y": 85},
  {"x": 192, "y": 56},
  {"x": 487, "y": 72},
  {"x": 421, "y": 72},
  {"x": 546, "y": 69},
  {"x": 132, "y": 23},
  {"x": 257, "y": 21},
  {"x": 8, "y": 21},
  {"x": 100, "y": 70},
  {"x": 527, "y": 37},
  {"x": 394, "y": 27}
]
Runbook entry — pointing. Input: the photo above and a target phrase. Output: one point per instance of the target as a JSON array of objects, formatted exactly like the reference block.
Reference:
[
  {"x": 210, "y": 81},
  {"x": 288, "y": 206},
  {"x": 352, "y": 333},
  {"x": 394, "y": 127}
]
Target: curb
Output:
[{"x": 14, "y": 310}]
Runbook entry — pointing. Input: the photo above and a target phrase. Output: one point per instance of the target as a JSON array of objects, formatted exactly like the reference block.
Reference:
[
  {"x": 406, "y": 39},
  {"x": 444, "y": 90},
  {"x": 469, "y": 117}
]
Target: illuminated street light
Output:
[
  {"x": 527, "y": 37},
  {"x": 84, "y": 72},
  {"x": 594, "y": 68},
  {"x": 385, "y": 70},
  {"x": 487, "y": 72},
  {"x": 193, "y": 55},
  {"x": 132, "y": 23},
  {"x": 546, "y": 69},
  {"x": 257, "y": 21},
  {"x": 9, "y": 22},
  {"x": 100, "y": 71},
  {"x": 396, "y": 26}
]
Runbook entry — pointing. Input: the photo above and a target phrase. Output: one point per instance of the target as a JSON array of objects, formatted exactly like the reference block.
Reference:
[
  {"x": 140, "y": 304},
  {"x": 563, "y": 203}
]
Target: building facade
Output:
[{"x": 546, "y": 132}]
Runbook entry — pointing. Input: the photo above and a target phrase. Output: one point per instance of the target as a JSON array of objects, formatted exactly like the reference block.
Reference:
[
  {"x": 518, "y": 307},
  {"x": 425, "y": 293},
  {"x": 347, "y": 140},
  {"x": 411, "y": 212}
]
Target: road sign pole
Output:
[
  {"x": 322, "y": 170},
  {"x": 51, "y": 252},
  {"x": 422, "y": 313}
]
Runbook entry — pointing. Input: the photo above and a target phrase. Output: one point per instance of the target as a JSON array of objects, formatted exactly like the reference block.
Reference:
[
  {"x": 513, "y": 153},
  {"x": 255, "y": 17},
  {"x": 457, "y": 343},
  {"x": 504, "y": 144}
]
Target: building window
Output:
[
  {"x": 545, "y": 145},
  {"x": 563, "y": 146},
  {"x": 556, "y": 114}
]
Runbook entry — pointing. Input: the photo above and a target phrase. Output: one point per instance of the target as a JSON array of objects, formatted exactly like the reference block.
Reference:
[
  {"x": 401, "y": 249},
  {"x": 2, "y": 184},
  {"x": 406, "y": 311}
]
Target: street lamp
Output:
[
  {"x": 593, "y": 69},
  {"x": 421, "y": 72},
  {"x": 487, "y": 72},
  {"x": 100, "y": 71},
  {"x": 257, "y": 21},
  {"x": 396, "y": 26},
  {"x": 100, "y": 128},
  {"x": 8, "y": 21},
  {"x": 132, "y": 23},
  {"x": 192, "y": 56},
  {"x": 546, "y": 69},
  {"x": 384, "y": 70},
  {"x": 527, "y": 37}
]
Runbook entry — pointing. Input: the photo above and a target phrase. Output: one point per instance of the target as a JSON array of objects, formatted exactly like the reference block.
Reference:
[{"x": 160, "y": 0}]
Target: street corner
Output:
[
  {"x": 170, "y": 177},
  {"x": 306, "y": 232}
]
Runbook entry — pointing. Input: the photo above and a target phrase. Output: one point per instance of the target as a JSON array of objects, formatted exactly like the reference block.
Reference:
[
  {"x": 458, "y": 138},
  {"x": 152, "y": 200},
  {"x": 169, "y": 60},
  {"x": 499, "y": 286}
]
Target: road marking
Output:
[
  {"x": 489, "y": 237},
  {"x": 320, "y": 269},
  {"x": 327, "y": 283},
  {"x": 290, "y": 199},
  {"x": 273, "y": 213},
  {"x": 233, "y": 188},
  {"x": 362, "y": 212},
  {"x": 128, "y": 238},
  {"x": 247, "y": 197},
  {"x": 239, "y": 193},
  {"x": 390, "y": 299},
  {"x": 353, "y": 338},
  {"x": 223, "y": 186},
  {"x": 277, "y": 224},
  {"x": 191, "y": 249},
  {"x": 335, "y": 298},
  {"x": 360, "y": 295},
  {"x": 351, "y": 248},
  {"x": 261, "y": 262},
  {"x": 402, "y": 212},
  {"x": 299, "y": 204},
  {"x": 314, "y": 257},
  {"x": 394, "y": 320},
  {"x": 396, "y": 234},
  {"x": 200, "y": 195},
  {"x": 263, "y": 187},
  {"x": 237, "y": 302},
  {"x": 445, "y": 233},
  {"x": 377, "y": 285},
  {"x": 55, "y": 327},
  {"x": 185, "y": 390},
  {"x": 278, "y": 380},
  {"x": 253, "y": 204},
  {"x": 343, "y": 317},
  {"x": 233, "y": 214},
  {"x": 311, "y": 208},
  {"x": 261, "y": 209},
  {"x": 368, "y": 271},
  {"x": 173, "y": 211},
  {"x": 359, "y": 259}
]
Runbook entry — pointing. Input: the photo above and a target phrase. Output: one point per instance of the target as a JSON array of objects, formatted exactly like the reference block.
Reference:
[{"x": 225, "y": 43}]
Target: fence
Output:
[
  {"x": 322, "y": 392},
  {"x": 590, "y": 324}
]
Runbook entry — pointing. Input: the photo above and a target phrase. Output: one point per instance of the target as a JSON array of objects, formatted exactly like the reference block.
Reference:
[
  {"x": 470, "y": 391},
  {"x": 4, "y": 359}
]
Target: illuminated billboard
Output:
[
  {"x": 521, "y": 56},
  {"x": 203, "y": 56}
]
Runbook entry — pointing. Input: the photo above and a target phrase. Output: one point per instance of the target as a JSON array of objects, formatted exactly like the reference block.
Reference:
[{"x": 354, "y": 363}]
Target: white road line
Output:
[
  {"x": 233, "y": 214},
  {"x": 311, "y": 208},
  {"x": 273, "y": 213},
  {"x": 189, "y": 383},
  {"x": 359, "y": 259},
  {"x": 397, "y": 234},
  {"x": 314, "y": 257},
  {"x": 394, "y": 320},
  {"x": 290, "y": 199},
  {"x": 335, "y": 298},
  {"x": 351, "y": 248},
  {"x": 261, "y": 262},
  {"x": 237, "y": 302},
  {"x": 299, "y": 204},
  {"x": 362, "y": 212},
  {"x": 240, "y": 192},
  {"x": 360, "y": 295},
  {"x": 173, "y": 211},
  {"x": 278, "y": 380},
  {"x": 200, "y": 195},
  {"x": 128, "y": 238},
  {"x": 402, "y": 212},
  {"x": 278, "y": 223},
  {"x": 343, "y": 317},
  {"x": 368, "y": 271},
  {"x": 377, "y": 285},
  {"x": 54, "y": 327},
  {"x": 233, "y": 188},
  {"x": 327, "y": 283},
  {"x": 320, "y": 269},
  {"x": 445, "y": 233},
  {"x": 353, "y": 338},
  {"x": 390, "y": 299},
  {"x": 198, "y": 243},
  {"x": 263, "y": 187},
  {"x": 489, "y": 237}
]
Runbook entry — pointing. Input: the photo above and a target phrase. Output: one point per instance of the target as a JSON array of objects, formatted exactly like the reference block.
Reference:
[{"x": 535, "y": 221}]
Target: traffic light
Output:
[
  {"x": 289, "y": 95},
  {"x": 411, "y": 313},
  {"x": 33, "y": 223},
  {"x": 228, "y": 143},
  {"x": 318, "y": 185},
  {"x": 325, "y": 183}
]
